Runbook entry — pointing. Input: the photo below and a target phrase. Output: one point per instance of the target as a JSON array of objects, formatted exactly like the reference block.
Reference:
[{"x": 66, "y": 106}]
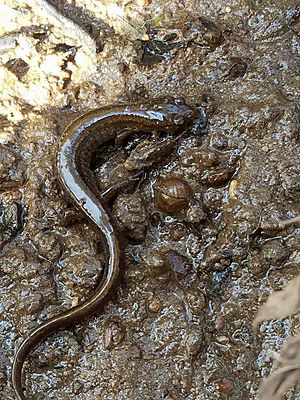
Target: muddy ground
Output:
[{"x": 180, "y": 324}]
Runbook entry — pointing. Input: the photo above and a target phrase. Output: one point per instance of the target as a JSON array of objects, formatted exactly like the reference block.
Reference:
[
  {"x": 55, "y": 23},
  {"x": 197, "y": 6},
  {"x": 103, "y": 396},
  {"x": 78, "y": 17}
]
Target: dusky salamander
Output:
[{"x": 79, "y": 142}]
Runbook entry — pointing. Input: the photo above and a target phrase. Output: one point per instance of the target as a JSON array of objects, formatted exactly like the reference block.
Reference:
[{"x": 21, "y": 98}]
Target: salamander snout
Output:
[{"x": 178, "y": 112}]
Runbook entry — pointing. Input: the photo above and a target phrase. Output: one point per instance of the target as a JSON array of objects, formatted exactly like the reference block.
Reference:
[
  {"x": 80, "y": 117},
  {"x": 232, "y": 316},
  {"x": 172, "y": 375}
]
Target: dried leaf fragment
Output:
[
  {"x": 280, "y": 304},
  {"x": 287, "y": 373}
]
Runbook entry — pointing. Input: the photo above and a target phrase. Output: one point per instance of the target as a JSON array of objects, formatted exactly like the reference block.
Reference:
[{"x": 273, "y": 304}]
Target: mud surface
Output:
[{"x": 202, "y": 247}]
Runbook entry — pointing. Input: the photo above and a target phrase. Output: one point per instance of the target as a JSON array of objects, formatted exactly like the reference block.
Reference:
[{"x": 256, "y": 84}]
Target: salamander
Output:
[{"x": 77, "y": 146}]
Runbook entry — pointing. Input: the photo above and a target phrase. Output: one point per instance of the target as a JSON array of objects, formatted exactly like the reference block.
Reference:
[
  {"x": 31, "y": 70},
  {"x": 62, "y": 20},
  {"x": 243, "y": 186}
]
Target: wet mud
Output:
[{"x": 199, "y": 215}]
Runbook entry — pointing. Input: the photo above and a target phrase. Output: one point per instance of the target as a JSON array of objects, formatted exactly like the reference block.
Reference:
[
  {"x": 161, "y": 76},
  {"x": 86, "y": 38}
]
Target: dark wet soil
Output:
[{"x": 202, "y": 247}]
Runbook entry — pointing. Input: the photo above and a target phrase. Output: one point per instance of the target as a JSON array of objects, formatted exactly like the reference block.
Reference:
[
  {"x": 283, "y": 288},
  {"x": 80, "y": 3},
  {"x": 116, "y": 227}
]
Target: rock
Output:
[
  {"x": 179, "y": 264},
  {"x": 114, "y": 334},
  {"x": 225, "y": 386},
  {"x": 48, "y": 245},
  {"x": 130, "y": 212},
  {"x": 18, "y": 67},
  {"x": 172, "y": 194},
  {"x": 11, "y": 219}
]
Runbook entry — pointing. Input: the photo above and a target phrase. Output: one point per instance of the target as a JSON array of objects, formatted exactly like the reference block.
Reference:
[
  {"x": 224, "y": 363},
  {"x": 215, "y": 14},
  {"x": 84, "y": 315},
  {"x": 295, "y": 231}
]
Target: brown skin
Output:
[{"x": 78, "y": 144}]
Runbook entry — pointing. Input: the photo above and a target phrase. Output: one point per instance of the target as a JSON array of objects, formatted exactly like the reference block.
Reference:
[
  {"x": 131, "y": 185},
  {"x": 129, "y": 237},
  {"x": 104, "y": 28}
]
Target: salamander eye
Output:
[
  {"x": 179, "y": 120},
  {"x": 180, "y": 101}
]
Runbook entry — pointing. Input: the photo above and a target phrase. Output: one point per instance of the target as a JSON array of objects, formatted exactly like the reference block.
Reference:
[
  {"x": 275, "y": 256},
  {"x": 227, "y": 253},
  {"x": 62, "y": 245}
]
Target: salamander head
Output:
[{"x": 172, "y": 113}]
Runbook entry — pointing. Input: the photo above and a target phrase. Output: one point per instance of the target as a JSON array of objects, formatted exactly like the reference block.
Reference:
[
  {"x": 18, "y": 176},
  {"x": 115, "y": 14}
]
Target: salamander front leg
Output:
[{"x": 110, "y": 193}]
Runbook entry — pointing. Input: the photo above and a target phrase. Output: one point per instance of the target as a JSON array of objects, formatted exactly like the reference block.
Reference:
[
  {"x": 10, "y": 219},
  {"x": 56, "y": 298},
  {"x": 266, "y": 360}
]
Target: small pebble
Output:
[
  {"x": 222, "y": 339},
  {"x": 195, "y": 214},
  {"x": 155, "y": 305},
  {"x": 219, "y": 322},
  {"x": 11, "y": 218},
  {"x": 225, "y": 386},
  {"x": 220, "y": 176},
  {"x": 179, "y": 264},
  {"x": 18, "y": 67},
  {"x": 172, "y": 194},
  {"x": 114, "y": 334}
]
